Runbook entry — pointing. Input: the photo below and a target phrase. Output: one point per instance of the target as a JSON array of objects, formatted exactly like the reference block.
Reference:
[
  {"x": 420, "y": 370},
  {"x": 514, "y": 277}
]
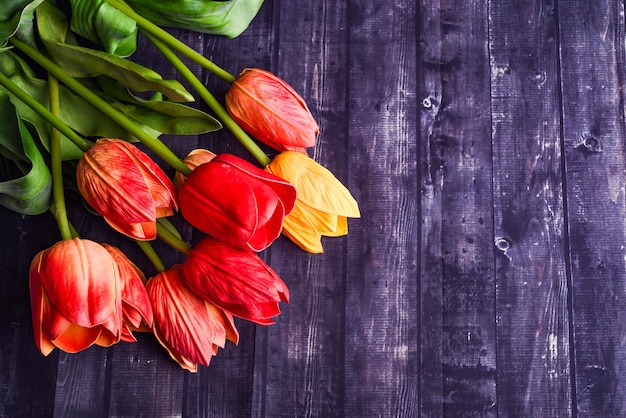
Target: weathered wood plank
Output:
[
  {"x": 592, "y": 57},
  {"x": 457, "y": 211},
  {"x": 431, "y": 298},
  {"x": 304, "y": 375},
  {"x": 381, "y": 351},
  {"x": 532, "y": 284}
]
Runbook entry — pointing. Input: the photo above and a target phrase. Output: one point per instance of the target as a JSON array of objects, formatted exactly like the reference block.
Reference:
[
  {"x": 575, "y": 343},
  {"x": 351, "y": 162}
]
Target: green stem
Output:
[
  {"x": 56, "y": 164},
  {"x": 172, "y": 240},
  {"x": 152, "y": 255},
  {"x": 152, "y": 143},
  {"x": 171, "y": 41},
  {"x": 52, "y": 119},
  {"x": 213, "y": 103}
]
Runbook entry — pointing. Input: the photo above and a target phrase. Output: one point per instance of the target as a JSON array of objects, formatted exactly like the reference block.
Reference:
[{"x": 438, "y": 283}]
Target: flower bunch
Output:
[{"x": 86, "y": 293}]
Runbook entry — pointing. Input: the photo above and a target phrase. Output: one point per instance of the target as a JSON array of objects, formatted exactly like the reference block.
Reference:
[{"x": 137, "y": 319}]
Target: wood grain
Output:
[
  {"x": 592, "y": 41},
  {"x": 532, "y": 283},
  {"x": 381, "y": 363}
]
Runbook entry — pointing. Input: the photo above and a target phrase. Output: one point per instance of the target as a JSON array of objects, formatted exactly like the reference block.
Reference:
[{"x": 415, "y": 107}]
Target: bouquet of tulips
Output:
[{"x": 84, "y": 292}]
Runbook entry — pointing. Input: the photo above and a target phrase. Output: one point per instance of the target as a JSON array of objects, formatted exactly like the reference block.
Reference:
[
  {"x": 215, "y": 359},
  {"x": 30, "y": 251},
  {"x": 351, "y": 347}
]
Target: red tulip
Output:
[
  {"x": 190, "y": 328},
  {"x": 136, "y": 308},
  {"x": 271, "y": 111},
  {"x": 236, "y": 280},
  {"x": 126, "y": 187},
  {"x": 75, "y": 296},
  {"x": 236, "y": 202}
]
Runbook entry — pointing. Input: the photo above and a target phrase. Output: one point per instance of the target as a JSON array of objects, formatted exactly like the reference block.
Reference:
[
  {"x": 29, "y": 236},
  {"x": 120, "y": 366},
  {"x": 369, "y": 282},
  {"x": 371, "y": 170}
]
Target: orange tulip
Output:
[
  {"x": 75, "y": 297},
  {"x": 236, "y": 280},
  {"x": 236, "y": 202},
  {"x": 323, "y": 204},
  {"x": 136, "y": 308},
  {"x": 126, "y": 187},
  {"x": 271, "y": 111},
  {"x": 193, "y": 160},
  {"x": 190, "y": 328}
]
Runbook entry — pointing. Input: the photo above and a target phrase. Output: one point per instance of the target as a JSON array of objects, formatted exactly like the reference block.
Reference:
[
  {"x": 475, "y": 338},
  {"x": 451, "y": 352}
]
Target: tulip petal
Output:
[
  {"x": 284, "y": 189},
  {"x": 40, "y": 306},
  {"x": 80, "y": 278},
  {"x": 142, "y": 231},
  {"x": 117, "y": 190},
  {"x": 271, "y": 110},
  {"x": 77, "y": 338},
  {"x": 234, "y": 279},
  {"x": 186, "y": 325},
  {"x": 219, "y": 203},
  {"x": 317, "y": 186},
  {"x": 135, "y": 302}
]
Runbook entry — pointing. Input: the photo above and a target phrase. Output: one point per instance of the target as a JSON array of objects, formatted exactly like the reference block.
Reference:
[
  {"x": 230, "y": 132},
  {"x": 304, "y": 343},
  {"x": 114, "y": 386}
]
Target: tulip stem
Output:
[
  {"x": 51, "y": 118},
  {"x": 56, "y": 163},
  {"x": 213, "y": 103},
  {"x": 152, "y": 143},
  {"x": 171, "y": 41},
  {"x": 172, "y": 239},
  {"x": 152, "y": 255}
]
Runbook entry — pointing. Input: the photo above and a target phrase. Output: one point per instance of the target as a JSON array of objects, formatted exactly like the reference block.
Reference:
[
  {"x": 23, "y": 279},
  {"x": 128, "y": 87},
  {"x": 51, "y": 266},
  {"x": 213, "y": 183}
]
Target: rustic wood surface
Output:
[{"x": 485, "y": 143}]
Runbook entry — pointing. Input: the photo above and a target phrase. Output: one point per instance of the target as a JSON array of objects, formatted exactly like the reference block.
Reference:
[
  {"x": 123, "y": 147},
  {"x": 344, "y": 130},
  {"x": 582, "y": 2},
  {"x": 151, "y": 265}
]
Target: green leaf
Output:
[
  {"x": 15, "y": 14},
  {"x": 75, "y": 112},
  {"x": 164, "y": 116},
  {"x": 81, "y": 62},
  {"x": 228, "y": 18},
  {"x": 30, "y": 194},
  {"x": 103, "y": 24}
]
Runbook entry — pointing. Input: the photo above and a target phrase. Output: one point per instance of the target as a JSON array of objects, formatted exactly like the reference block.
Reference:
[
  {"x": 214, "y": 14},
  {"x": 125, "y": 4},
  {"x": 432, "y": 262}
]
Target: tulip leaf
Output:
[
  {"x": 165, "y": 116},
  {"x": 16, "y": 15},
  {"x": 228, "y": 18},
  {"x": 165, "y": 223},
  {"x": 104, "y": 25},
  {"x": 30, "y": 194},
  {"x": 79, "y": 61}
]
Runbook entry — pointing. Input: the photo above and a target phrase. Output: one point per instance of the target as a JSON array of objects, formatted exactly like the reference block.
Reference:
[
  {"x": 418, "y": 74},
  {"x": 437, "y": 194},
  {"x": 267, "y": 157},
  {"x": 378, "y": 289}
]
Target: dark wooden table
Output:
[{"x": 485, "y": 143}]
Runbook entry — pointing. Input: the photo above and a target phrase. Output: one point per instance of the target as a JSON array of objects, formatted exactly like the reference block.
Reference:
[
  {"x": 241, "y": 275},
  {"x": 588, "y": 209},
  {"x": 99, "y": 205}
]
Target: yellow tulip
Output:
[{"x": 323, "y": 203}]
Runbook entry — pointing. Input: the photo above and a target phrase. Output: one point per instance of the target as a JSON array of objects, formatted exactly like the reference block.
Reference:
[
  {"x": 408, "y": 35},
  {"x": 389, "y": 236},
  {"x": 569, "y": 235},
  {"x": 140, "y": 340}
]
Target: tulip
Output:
[
  {"x": 126, "y": 187},
  {"x": 190, "y": 328},
  {"x": 236, "y": 280},
  {"x": 136, "y": 308},
  {"x": 270, "y": 110},
  {"x": 323, "y": 204},
  {"x": 236, "y": 202},
  {"x": 75, "y": 296},
  {"x": 193, "y": 160}
]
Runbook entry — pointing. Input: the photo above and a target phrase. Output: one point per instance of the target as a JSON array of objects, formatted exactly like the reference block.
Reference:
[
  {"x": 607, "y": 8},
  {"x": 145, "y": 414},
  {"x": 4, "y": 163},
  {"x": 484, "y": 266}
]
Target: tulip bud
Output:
[
  {"x": 236, "y": 280},
  {"x": 193, "y": 160},
  {"x": 323, "y": 204},
  {"x": 126, "y": 187},
  {"x": 191, "y": 329},
  {"x": 75, "y": 296},
  {"x": 270, "y": 110},
  {"x": 236, "y": 202}
]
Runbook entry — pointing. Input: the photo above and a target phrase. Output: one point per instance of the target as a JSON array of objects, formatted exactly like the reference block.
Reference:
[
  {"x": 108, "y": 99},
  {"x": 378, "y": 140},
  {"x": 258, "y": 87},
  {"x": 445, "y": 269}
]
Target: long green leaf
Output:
[
  {"x": 15, "y": 14},
  {"x": 228, "y": 18},
  {"x": 30, "y": 194},
  {"x": 104, "y": 25},
  {"x": 80, "y": 62},
  {"x": 164, "y": 116}
]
